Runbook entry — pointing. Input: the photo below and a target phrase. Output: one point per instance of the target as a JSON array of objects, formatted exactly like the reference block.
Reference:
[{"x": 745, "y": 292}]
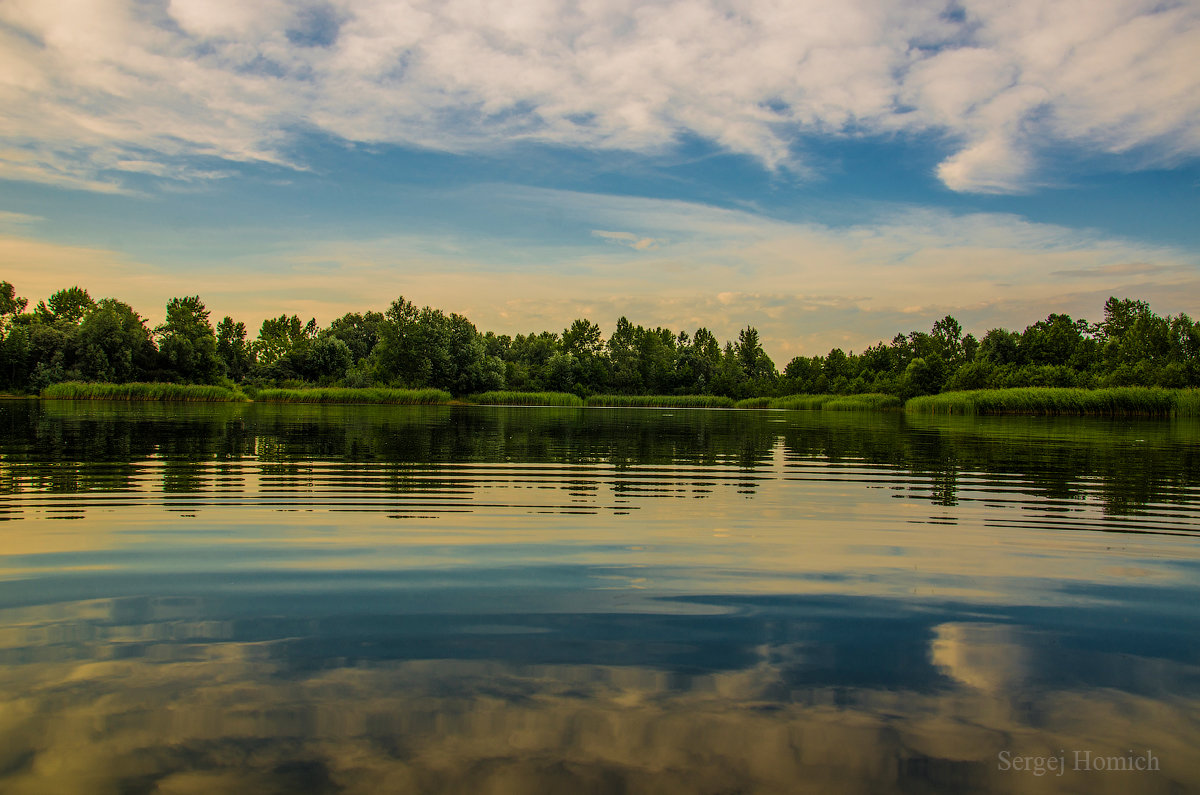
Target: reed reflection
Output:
[{"x": 65, "y": 447}]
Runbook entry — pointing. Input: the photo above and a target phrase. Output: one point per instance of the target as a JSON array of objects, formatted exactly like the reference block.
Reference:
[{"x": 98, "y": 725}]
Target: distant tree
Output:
[
  {"x": 187, "y": 344},
  {"x": 279, "y": 336},
  {"x": 66, "y": 306},
  {"x": 359, "y": 332},
  {"x": 947, "y": 334},
  {"x": 114, "y": 344},
  {"x": 233, "y": 349},
  {"x": 10, "y": 304},
  {"x": 426, "y": 347}
]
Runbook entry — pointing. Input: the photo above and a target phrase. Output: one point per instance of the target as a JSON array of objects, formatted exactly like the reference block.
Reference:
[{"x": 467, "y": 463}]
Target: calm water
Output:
[{"x": 491, "y": 600}]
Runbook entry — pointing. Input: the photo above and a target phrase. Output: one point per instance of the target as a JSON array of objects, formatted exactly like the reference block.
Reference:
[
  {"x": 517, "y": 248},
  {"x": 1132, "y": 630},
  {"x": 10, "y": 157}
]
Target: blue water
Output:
[{"x": 254, "y": 598}]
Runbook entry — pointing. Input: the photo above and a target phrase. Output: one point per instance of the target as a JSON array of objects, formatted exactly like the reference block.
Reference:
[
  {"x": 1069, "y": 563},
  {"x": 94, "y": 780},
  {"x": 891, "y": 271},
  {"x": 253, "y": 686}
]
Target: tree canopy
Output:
[{"x": 70, "y": 336}]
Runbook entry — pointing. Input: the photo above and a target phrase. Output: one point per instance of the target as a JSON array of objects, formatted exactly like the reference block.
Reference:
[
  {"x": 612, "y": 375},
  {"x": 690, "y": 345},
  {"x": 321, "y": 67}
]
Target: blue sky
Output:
[{"x": 830, "y": 173}]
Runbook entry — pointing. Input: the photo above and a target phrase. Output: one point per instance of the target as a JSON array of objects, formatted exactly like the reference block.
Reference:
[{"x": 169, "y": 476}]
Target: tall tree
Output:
[
  {"x": 234, "y": 350},
  {"x": 187, "y": 344},
  {"x": 68, "y": 305},
  {"x": 114, "y": 344}
]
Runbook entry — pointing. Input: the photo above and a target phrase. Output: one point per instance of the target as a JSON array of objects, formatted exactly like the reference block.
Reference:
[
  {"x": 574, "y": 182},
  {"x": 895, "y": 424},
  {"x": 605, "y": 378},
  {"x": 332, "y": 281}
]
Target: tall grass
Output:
[
  {"x": 661, "y": 401},
  {"x": 1118, "y": 401},
  {"x": 868, "y": 401},
  {"x": 77, "y": 390},
  {"x": 802, "y": 402},
  {"x": 1187, "y": 403},
  {"x": 505, "y": 398},
  {"x": 406, "y": 397}
]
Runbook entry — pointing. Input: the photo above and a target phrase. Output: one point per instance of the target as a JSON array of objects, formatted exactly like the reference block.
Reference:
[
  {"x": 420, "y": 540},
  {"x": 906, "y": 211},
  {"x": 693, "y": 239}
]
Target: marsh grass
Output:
[
  {"x": 661, "y": 401},
  {"x": 505, "y": 398},
  {"x": 1187, "y": 403},
  {"x": 78, "y": 390},
  {"x": 869, "y": 401},
  {"x": 1118, "y": 401},
  {"x": 400, "y": 397},
  {"x": 802, "y": 402}
]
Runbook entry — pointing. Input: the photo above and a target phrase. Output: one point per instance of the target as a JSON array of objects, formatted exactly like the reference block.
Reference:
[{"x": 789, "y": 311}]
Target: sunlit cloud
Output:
[{"x": 95, "y": 90}]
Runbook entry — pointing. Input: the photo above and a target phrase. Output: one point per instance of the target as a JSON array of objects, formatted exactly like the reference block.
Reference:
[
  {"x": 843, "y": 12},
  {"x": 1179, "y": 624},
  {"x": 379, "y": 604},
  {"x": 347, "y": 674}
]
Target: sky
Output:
[{"x": 830, "y": 173}]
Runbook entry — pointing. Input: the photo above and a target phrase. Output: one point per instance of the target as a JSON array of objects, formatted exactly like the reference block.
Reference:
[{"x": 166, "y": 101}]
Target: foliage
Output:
[
  {"x": 71, "y": 337},
  {"x": 661, "y": 401},
  {"x": 502, "y": 398},
  {"x": 75, "y": 390},
  {"x": 372, "y": 395},
  {"x": 863, "y": 402},
  {"x": 1120, "y": 401},
  {"x": 866, "y": 402},
  {"x": 235, "y": 352},
  {"x": 187, "y": 343}
]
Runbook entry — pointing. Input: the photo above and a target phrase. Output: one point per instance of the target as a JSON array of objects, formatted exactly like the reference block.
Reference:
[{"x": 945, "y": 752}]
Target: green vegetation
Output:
[
  {"x": 872, "y": 401},
  {"x": 501, "y": 398},
  {"x": 801, "y": 402},
  {"x": 661, "y": 401},
  {"x": 75, "y": 390},
  {"x": 406, "y": 397},
  {"x": 1121, "y": 401},
  {"x": 1187, "y": 403},
  {"x": 70, "y": 337},
  {"x": 865, "y": 402}
]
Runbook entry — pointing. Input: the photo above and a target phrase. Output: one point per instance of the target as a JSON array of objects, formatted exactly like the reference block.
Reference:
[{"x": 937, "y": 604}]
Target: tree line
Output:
[{"x": 72, "y": 337}]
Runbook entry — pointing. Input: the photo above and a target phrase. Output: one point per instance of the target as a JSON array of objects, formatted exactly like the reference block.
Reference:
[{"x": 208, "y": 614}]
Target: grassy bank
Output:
[
  {"x": 661, "y": 401},
  {"x": 1187, "y": 403},
  {"x": 76, "y": 390},
  {"x": 505, "y": 398},
  {"x": 864, "y": 402},
  {"x": 400, "y": 397},
  {"x": 1120, "y": 401},
  {"x": 869, "y": 401}
]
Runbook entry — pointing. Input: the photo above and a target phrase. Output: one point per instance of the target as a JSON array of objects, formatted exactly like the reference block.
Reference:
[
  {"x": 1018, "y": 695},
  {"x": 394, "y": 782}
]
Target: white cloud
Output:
[{"x": 89, "y": 87}]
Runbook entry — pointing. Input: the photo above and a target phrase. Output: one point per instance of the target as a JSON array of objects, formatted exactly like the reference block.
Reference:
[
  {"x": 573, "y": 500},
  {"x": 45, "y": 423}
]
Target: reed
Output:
[
  {"x": 400, "y": 397},
  {"x": 1118, "y": 401},
  {"x": 505, "y": 398},
  {"x": 802, "y": 402},
  {"x": 661, "y": 401},
  {"x": 868, "y": 401},
  {"x": 1187, "y": 403},
  {"x": 78, "y": 390}
]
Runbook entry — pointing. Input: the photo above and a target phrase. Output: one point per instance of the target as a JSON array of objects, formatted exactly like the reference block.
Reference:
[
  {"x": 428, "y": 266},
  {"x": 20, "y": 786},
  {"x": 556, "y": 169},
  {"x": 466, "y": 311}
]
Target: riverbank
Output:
[
  {"x": 1112, "y": 402},
  {"x": 200, "y": 393}
]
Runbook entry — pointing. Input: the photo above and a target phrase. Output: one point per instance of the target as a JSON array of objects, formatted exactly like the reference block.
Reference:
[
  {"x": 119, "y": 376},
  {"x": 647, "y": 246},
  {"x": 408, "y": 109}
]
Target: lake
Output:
[{"x": 319, "y": 599}]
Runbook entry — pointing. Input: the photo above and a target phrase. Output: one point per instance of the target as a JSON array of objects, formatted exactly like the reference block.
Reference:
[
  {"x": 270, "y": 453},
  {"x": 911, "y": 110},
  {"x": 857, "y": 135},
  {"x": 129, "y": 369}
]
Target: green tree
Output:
[
  {"x": 11, "y": 305},
  {"x": 279, "y": 336},
  {"x": 66, "y": 306},
  {"x": 114, "y": 344},
  {"x": 187, "y": 344},
  {"x": 359, "y": 332},
  {"x": 235, "y": 352}
]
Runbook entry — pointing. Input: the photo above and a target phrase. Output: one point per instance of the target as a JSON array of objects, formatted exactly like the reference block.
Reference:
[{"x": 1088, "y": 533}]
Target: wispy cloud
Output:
[
  {"x": 92, "y": 90},
  {"x": 629, "y": 239}
]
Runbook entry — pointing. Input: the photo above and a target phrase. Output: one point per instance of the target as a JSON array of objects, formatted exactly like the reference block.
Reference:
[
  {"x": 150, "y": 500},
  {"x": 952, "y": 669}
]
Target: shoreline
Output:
[{"x": 1030, "y": 401}]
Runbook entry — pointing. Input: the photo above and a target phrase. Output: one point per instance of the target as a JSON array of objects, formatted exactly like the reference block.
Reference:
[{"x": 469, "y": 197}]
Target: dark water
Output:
[{"x": 368, "y": 599}]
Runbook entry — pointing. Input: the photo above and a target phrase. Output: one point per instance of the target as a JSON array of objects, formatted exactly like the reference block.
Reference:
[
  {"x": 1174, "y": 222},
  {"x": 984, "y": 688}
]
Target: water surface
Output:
[{"x": 208, "y": 598}]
